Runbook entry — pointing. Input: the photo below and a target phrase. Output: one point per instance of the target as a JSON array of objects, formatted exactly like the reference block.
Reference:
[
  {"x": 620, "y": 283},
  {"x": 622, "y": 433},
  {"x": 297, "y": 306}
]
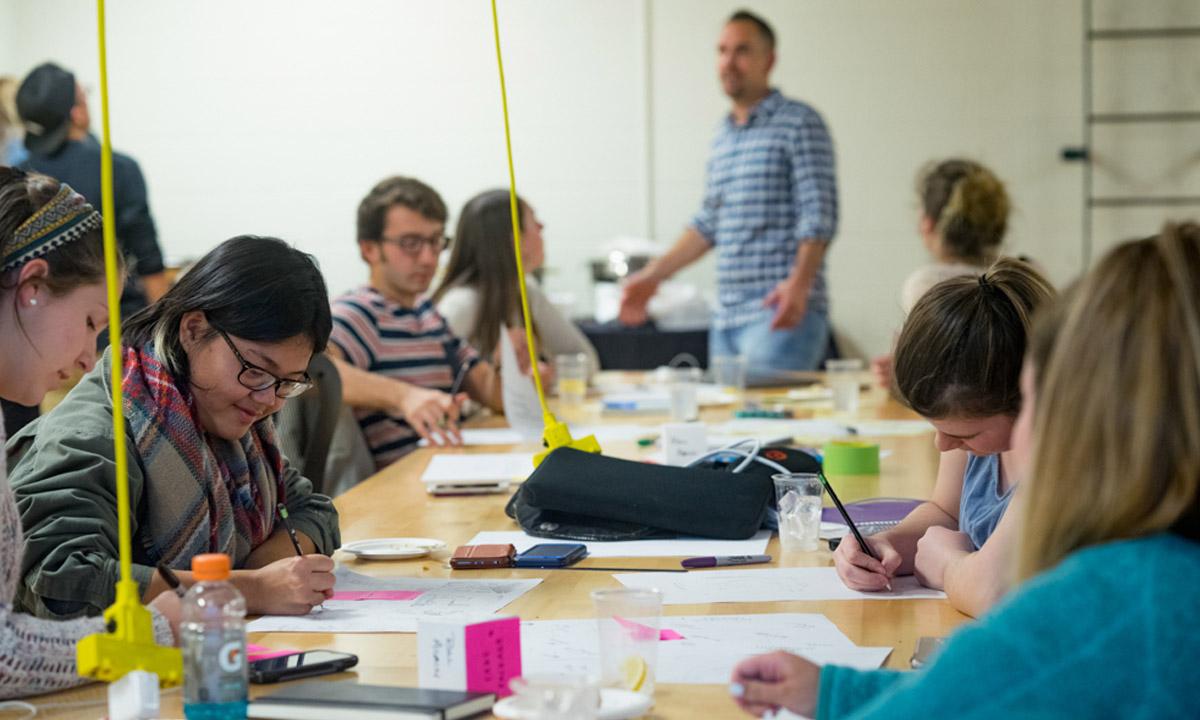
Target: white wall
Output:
[
  {"x": 276, "y": 116},
  {"x": 898, "y": 84}
]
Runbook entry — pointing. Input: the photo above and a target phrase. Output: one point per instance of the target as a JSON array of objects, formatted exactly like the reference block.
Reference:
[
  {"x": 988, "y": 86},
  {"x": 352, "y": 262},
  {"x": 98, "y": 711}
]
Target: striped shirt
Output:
[
  {"x": 410, "y": 344},
  {"x": 770, "y": 185}
]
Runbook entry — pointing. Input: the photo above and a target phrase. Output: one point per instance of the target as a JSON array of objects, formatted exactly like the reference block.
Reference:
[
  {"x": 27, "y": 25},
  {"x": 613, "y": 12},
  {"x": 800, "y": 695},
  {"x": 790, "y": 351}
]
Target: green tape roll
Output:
[{"x": 847, "y": 457}]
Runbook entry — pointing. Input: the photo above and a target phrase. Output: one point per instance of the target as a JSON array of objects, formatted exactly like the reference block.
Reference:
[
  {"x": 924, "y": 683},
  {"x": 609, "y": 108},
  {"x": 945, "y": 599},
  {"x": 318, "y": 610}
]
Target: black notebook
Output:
[{"x": 352, "y": 701}]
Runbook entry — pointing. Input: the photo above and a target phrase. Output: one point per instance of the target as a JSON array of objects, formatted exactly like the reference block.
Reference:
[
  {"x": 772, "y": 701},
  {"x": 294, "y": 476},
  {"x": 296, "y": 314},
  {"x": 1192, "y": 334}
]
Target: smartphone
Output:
[
  {"x": 478, "y": 557},
  {"x": 551, "y": 555},
  {"x": 926, "y": 647},
  {"x": 300, "y": 665}
]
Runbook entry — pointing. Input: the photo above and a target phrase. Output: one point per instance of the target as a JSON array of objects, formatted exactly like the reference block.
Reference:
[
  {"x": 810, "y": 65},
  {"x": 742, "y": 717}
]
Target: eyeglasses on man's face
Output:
[
  {"x": 252, "y": 377},
  {"x": 413, "y": 244}
]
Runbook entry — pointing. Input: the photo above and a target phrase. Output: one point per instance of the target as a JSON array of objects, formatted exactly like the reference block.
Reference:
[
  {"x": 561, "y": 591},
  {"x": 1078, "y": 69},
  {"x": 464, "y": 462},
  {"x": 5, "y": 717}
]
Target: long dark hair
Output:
[
  {"x": 257, "y": 288},
  {"x": 482, "y": 257}
]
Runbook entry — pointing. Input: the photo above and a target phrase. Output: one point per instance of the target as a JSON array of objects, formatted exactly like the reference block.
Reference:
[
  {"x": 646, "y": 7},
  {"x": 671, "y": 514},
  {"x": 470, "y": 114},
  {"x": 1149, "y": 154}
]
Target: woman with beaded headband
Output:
[{"x": 53, "y": 305}]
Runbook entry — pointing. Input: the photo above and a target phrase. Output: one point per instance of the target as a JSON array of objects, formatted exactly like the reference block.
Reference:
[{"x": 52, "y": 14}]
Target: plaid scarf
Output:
[{"x": 202, "y": 493}]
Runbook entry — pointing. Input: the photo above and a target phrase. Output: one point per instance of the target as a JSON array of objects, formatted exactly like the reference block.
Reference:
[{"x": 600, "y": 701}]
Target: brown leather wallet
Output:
[{"x": 475, "y": 557}]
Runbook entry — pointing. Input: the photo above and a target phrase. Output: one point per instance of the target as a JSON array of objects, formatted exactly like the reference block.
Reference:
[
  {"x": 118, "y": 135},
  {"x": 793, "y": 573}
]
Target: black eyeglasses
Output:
[
  {"x": 413, "y": 244},
  {"x": 252, "y": 377}
]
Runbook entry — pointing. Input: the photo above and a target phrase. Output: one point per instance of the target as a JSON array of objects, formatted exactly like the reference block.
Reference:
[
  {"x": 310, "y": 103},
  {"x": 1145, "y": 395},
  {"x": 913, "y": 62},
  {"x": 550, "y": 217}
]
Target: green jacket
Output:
[{"x": 62, "y": 469}]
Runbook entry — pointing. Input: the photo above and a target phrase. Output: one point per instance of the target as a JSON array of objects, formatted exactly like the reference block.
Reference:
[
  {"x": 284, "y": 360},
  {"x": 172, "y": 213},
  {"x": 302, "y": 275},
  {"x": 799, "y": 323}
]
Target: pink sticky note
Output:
[
  {"x": 258, "y": 652},
  {"x": 493, "y": 653},
  {"x": 645, "y": 632},
  {"x": 377, "y": 595}
]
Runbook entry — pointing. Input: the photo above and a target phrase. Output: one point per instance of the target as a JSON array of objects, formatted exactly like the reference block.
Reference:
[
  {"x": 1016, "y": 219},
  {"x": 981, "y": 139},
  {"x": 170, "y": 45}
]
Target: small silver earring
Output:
[{"x": 33, "y": 301}]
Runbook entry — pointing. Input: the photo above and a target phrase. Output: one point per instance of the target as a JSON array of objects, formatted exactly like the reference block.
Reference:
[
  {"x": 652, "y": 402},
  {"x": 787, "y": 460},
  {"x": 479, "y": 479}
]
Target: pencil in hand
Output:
[
  {"x": 291, "y": 531},
  {"x": 283, "y": 515},
  {"x": 862, "y": 543}
]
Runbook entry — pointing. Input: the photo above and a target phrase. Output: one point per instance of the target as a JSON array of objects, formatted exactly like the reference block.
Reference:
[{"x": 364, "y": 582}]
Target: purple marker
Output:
[{"x": 703, "y": 562}]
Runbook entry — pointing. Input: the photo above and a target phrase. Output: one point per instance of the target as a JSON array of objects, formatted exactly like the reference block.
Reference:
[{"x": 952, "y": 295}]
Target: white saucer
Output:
[
  {"x": 393, "y": 548},
  {"x": 614, "y": 705}
]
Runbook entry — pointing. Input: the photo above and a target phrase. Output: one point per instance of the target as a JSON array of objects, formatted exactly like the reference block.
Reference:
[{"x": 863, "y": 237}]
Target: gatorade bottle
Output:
[{"x": 214, "y": 643}]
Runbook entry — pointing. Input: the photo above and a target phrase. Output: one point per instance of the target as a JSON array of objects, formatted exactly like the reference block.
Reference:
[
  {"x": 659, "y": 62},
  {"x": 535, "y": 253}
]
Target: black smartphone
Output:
[
  {"x": 550, "y": 555},
  {"x": 300, "y": 665}
]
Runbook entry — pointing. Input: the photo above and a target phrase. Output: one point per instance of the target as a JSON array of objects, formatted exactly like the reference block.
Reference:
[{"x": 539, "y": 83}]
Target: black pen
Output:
[
  {"x": 171, "y": 578},
  {"x": 850, "y": 523},
  {"x": 458, "y": 379},
  {"x": 283, "y": 515}
]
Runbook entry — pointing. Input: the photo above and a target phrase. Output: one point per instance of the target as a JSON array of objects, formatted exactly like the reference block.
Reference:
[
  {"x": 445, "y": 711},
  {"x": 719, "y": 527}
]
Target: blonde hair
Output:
[
  {"x": 1117, "y": 454},
  {"x": 968, "y": 206}
]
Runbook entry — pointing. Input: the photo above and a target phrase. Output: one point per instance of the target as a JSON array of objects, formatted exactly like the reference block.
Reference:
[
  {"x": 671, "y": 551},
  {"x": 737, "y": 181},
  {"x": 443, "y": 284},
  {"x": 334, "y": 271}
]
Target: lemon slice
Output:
[{"x": 633, "y": 672}]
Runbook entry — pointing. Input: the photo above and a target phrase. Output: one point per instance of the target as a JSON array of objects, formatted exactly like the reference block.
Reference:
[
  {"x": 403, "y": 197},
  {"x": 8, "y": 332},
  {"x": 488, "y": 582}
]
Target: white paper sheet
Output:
[
  {"x": 522, "y": 408},
  {"x": 711, "y": 645},
  {"x": 769, "y": 585},
  {"x": 678, "y": 547},
  {"x": 508, "y": 436},
  {"x": 820, "y": 428},
  {"x": 438, "y": 598},
  {"x": 478, "y": 467},
  {"x": 644, "y": 399}
]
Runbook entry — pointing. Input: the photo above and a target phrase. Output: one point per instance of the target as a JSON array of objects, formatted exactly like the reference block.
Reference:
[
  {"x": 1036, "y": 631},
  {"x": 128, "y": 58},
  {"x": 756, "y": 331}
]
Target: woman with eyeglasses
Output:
[{"x": 204, "y": 368}]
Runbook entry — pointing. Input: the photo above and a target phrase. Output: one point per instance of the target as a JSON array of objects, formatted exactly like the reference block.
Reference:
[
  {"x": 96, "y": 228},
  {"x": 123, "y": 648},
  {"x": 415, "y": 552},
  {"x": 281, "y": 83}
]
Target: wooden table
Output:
[{"x": 393, "y": 503}]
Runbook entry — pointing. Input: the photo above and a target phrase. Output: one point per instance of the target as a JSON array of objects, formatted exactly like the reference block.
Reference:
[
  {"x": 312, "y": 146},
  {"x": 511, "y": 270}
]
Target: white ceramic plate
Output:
[
  {"x": 614, "y": 705},
  {"x": 393, "y": 548}
]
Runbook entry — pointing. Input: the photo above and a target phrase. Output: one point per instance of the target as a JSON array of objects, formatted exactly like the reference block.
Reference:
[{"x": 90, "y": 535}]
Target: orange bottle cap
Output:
[{"x": 211, "y": 566}]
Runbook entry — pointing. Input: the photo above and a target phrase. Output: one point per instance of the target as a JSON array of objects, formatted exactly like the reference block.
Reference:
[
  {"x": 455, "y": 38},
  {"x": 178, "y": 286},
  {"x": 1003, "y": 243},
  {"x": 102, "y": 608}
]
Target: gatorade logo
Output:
[
  {"x": 776, "y": 455},
  {"x": 230, "y": 657}
]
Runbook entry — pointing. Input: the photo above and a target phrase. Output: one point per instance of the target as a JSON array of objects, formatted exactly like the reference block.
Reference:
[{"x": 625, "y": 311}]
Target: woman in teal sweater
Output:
[{"x": 1104, "y": 625}]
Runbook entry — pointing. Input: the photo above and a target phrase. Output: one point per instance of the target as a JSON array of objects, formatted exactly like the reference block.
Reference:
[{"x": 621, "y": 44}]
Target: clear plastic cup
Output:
[
  {"x": 572, "y": 372},
  {"x": 798, "y": 496},
  {"x": 843, "y": 376},
  {"x": 553, "y": 697},
  {"x": 628, "y": 622},
  {"x": 682, "y": 383},
  {"x": 729, "y": 373}
]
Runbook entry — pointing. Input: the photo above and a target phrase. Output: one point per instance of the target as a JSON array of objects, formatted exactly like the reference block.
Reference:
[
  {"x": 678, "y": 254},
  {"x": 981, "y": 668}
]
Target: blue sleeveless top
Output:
[{"x": 981, "y": 505}]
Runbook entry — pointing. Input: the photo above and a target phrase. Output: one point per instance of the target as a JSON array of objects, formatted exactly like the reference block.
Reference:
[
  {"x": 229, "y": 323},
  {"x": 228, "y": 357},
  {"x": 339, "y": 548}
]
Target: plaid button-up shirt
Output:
[{"x": 770, "y": 186}]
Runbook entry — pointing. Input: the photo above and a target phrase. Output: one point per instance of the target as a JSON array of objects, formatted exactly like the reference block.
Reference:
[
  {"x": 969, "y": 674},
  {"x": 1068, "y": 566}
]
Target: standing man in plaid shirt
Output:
[{"x": 770, "y": 210}]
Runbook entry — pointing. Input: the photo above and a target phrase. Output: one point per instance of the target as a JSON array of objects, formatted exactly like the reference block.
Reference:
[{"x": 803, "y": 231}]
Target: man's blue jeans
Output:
[{"x": 799, "y": 348}]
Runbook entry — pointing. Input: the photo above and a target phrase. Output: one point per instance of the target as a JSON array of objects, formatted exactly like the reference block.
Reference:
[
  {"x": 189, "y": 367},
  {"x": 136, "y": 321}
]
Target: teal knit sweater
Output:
[{"x": 1113, "y": 631}]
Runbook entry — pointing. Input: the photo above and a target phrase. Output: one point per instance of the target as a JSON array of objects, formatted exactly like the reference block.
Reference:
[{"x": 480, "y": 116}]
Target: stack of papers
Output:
[
  {"x": 476, "y": 472},
  {"x": 658, "y": 400},
  {"x": 701, "y": 649}
]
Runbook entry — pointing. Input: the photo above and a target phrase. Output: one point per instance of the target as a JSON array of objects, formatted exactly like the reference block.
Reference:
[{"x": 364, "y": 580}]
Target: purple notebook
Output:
[{"x": 872, "y": 511}]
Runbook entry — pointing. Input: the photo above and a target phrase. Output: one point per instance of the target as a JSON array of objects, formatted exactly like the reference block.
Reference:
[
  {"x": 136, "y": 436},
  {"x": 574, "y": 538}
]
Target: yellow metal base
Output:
[
  {"x": 557, "y": 435},
  {"x": 129, "y": 645}
]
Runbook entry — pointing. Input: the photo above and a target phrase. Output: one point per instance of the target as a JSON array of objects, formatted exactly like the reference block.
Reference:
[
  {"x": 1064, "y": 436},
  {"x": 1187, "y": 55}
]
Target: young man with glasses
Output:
[{"x": 401, "y": 367}]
